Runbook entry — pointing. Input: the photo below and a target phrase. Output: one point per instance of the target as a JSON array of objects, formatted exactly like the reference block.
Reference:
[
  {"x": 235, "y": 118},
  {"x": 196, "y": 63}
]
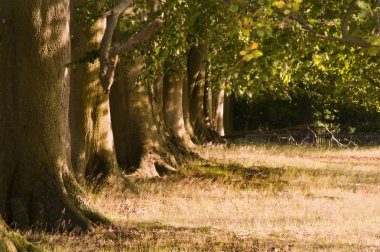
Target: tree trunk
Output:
[
  {"x": 39, "y": 183},
  {"x": 126, "y": 73},
  {"x": 196, "y": 70},
  {"x": 141, "y": 147},
  {"x": 186, "y": 110},
  {"x": 194, "y": 63},
  {"x": 228, "y": 113},
  {"x": 93, "y": 151},
  {"x": 218, "y": 108},
  {"x": 173, "y": 111},
  {"x": 208, "y": 100}
]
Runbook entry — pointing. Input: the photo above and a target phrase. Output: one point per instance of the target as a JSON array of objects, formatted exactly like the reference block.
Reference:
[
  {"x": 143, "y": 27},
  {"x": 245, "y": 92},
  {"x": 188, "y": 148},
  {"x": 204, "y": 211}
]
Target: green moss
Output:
[
  {"x": 237, "y": 175},
  {"x": 22, "y": 245}
]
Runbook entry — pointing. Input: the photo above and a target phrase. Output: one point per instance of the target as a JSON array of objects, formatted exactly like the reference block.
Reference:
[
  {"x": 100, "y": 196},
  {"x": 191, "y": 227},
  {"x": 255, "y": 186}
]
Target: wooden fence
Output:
[{"x": 308, "y": 135}]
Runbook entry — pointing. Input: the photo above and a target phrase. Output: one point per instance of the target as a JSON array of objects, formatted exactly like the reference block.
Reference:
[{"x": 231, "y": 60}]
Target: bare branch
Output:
[
  {"x": 109, "y": 56},
  {"x": 141, "y": 37},
  {"x": 347, "y": 18},
  {"x": 107, "y": 63}
]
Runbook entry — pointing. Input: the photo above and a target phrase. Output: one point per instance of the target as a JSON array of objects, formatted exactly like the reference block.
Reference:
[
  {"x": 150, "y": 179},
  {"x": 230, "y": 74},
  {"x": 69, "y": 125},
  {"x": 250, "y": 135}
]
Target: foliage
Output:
[{"x": 288, "y": 49}]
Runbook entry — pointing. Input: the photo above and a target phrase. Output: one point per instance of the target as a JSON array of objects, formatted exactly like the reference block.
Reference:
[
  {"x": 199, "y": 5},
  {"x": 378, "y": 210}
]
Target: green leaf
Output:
[
  {"x": 261, "y": 33},
  {"x": 362, "y": 4},
  {"x": 249, "y": 57},
  {"x": 234, "y": 8},
  {"x": 373, "y": 51},
  {"x": 296, "y": 6},
  {"x": 279, "y": 4},
  {"x": 375, "y": 41},
  {"x": 257, "y": 54},
  {"x": 246, "y": 32}
]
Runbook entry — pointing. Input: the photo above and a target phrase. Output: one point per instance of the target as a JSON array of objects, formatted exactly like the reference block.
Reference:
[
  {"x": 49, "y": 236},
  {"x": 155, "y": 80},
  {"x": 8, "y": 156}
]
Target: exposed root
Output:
[
  {"x": 80, "y": 211},
  {"x": 55, "y": 204},
  {"x": 12, "y": 242},
  {"x": 154, "y": 165}
]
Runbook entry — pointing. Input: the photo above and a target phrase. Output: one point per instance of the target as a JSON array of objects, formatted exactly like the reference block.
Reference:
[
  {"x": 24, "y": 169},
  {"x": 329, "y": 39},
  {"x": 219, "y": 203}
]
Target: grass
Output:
[{"x": 244, "y": 198}]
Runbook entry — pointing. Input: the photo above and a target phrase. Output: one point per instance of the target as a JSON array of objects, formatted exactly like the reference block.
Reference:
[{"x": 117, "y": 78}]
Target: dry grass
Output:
[{"x": 246, "y": 198}]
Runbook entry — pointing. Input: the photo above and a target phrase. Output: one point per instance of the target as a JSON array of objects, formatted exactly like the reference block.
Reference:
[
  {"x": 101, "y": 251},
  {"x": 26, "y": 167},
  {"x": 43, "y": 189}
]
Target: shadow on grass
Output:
[
  {"x": 236, "y": 175},
  {"x": 154, "y": 236},
  {"x": 348, "y": 177},
  {"x": 146, "y": 236}
]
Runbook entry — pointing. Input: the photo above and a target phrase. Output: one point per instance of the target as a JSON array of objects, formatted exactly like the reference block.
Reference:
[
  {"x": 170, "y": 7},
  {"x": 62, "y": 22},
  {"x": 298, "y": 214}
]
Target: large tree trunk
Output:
[
  {"x": 218, "y": 108},
  {"x": 186, "y": 109},
  {"x": 36, "y": 169},
  {"x": 196, "y": 71},
  {"x": 228, "y": 113},
  {"x": 126, "y": 73},
  {"x": 93, "y": 150},
  {"x": 173, "y": 110},
  {"x": 208, "y": 100},
  {"x": 144, "y": 148}
]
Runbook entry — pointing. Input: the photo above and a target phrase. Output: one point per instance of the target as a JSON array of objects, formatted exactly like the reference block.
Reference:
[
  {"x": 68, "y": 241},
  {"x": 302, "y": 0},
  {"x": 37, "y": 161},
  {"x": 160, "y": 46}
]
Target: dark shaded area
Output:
[
  {"x": 238, "y": 176},
  {"x": 266, "y": 112}
]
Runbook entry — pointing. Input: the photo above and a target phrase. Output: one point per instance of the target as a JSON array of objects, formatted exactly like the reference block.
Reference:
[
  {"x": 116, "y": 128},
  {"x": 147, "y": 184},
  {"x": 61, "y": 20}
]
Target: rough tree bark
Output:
[
  {"x": 218, "y": 108},
  {"x": 126, "y": 72},
  {"x": 93, "y": 151},
  {"x": 8, "y": 240},
  {"x": 197, "y": 67},
  {"x": 109, "y": 56},
  {"x": 228, "y": 113},
  {"x": 208, "y": 100},
  {"x": 173, "y": 110},
  {"x": 144, "y": 150},
  {"x": 143, "y": 144},
  {"x": 186, "y": 110},
  {"x": 39, "y": 187}
]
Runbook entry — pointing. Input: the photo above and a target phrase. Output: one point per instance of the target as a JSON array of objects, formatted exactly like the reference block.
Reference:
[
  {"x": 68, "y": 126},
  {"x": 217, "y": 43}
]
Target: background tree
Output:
[{"x": 93, "y": 150}]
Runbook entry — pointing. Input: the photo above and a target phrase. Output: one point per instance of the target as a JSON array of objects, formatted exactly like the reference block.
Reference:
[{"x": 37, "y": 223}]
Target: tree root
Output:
[
  {"x": 10, "y": 241},
  {"x": 53, "y": 204},
  {"x": 153, "y": 164}
]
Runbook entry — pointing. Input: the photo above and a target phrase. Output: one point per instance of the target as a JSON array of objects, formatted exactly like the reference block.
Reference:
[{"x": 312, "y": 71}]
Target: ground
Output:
[{"x": 243, "y": 198}]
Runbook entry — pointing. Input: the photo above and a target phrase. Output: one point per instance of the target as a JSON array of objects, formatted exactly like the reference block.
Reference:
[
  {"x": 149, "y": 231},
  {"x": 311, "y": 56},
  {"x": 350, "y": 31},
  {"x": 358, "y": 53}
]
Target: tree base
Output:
[
  {"x": 152, "y": 165},
  {"x": 54, "y": 204},
  {"x": 10, "y": 242}
]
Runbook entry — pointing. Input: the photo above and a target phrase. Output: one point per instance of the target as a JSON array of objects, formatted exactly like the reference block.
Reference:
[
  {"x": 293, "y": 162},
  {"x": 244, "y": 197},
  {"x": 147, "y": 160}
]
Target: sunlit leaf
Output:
[
  {"x": 254, "y": 46},
  {"x": 279, "y": 4}
]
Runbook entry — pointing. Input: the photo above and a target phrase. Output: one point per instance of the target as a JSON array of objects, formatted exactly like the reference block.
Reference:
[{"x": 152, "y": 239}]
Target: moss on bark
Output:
[{"x": 12, "y": 242}]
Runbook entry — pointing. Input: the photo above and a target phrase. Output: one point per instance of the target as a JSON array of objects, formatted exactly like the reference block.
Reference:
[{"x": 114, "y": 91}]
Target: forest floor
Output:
[{"x": 243, "y": 198}]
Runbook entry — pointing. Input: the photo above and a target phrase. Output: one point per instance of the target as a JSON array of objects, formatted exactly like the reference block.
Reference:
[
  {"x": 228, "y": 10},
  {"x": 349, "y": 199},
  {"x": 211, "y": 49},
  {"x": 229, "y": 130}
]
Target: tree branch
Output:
[
  {"x": 344, "y": 40},
  {"x": 107, "y": 63},
  {"x": 139, "y": 38},
  {"x": 347, "y": 18},
  {"x": 109, "y": 56},
  {"x": 372, "y": 81}
]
